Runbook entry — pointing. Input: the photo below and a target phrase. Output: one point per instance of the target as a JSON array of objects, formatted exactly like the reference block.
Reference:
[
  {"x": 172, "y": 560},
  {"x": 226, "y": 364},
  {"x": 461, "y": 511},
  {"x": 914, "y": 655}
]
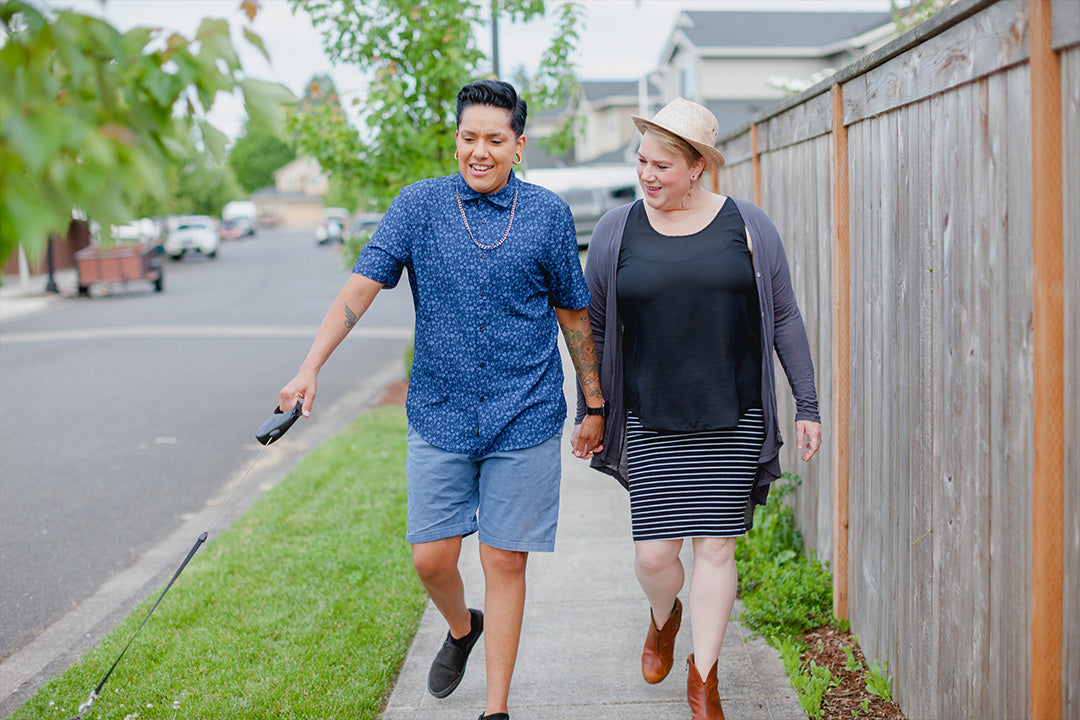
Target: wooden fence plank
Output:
[
  {"x": 841, "y": 370},
  {"x": 823, "y": 361},
  {"x": 855, "y": 382},
  {"x": 946, "y": 584},
  {"x": 978, "y": 404},
  {"x": 1020, "y": 390},
  {"x": 907, "y": 392},
  {"x": 994, "y": 124},
  {"x": 877, "y": 418},
  {"x": 922, "y": 543}
]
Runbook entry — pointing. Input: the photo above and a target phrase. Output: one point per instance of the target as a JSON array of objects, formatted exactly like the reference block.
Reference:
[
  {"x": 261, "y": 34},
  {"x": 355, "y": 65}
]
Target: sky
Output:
[{"x": 619, "y": 40}]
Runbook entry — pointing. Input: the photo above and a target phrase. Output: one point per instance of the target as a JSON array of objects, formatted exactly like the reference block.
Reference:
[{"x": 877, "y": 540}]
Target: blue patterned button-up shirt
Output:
[{"x": 486, "y": 372}]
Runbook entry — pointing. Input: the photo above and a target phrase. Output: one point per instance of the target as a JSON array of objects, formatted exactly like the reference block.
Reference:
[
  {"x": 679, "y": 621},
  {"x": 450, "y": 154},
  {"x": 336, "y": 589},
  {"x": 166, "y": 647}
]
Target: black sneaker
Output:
[
  {"x": 449, "y": 665},
  {"x": 496, "y": 716}
]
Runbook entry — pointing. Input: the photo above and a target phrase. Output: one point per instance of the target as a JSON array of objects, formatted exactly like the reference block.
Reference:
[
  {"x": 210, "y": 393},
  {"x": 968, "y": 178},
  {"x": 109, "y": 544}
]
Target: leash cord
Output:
[{"x": 191, "y": 553}]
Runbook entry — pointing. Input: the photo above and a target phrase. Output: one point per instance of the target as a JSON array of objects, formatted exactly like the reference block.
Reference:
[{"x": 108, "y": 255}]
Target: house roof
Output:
[
  {"x": 597, "y": 90},
  {"x": 776, "y": 29}
]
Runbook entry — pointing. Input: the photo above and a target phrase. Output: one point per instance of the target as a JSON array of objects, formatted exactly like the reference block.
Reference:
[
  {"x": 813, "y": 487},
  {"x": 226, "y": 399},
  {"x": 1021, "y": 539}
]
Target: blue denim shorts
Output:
[{"x": 511, "y": 498}]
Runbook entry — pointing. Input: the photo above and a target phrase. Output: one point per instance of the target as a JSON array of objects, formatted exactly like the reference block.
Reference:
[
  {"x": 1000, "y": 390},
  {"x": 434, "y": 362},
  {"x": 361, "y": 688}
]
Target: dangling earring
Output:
[
  {"x": 689, "y": 194},
  {"x": 517, "y": 158}
]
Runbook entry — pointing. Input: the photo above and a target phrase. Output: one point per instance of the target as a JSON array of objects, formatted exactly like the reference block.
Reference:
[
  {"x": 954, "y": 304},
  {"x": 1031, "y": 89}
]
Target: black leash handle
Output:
[{"x": 277, "y": 424}]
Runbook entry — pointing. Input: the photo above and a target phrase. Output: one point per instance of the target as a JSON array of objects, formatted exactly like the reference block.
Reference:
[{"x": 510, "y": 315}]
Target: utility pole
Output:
[{"x": 495, "y": 38}]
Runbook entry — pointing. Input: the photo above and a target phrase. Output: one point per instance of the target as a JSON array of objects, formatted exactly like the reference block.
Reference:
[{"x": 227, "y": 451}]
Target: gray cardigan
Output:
[{"x": 781, "y": 328}]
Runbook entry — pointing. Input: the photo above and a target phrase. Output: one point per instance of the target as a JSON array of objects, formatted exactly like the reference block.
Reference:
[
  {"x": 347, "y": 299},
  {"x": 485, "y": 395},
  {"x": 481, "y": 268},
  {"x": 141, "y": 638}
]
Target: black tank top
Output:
[{"x": 691, "y": 323}]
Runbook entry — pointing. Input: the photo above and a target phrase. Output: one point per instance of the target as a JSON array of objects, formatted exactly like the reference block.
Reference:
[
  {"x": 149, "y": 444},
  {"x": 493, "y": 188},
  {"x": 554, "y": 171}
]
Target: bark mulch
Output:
[{"x": 850, "y": 699}]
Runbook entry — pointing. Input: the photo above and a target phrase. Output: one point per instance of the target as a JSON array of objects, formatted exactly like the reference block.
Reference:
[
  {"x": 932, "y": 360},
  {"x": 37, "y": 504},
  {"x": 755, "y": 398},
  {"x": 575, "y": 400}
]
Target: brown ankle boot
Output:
[
  {"x": 703, "y": 696},
  {"x": 659, "y": 653}
]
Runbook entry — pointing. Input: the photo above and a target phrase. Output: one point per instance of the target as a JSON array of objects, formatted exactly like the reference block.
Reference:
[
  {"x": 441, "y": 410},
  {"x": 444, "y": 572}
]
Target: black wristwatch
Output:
[{"x": 602, "y": 411}]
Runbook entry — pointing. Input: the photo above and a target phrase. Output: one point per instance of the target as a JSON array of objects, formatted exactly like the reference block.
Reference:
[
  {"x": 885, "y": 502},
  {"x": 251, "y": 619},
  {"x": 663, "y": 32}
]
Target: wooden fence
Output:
[{"x": 929, "y": 198}]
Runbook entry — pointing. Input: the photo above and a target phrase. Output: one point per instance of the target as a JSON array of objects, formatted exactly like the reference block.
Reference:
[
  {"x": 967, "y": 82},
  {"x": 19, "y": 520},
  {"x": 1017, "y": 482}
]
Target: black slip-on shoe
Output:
[
  {"x": 496, "y": 716},
  {"x": 449, "y": 665}
]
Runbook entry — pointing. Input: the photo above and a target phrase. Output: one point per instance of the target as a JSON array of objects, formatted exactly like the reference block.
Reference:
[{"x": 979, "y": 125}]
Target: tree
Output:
[
  {"x": 200, "y": 184},
  {"x": 419, "y": 53},
  {"x": 907, "y": 14},
  {"x": 90, "y": 117},
  {"x": 257, "y": 154}
]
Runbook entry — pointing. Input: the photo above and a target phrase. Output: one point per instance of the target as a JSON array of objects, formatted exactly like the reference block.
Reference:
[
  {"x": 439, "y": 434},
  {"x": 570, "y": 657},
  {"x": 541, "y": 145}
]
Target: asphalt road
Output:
[{"x": 123, "y": 414}]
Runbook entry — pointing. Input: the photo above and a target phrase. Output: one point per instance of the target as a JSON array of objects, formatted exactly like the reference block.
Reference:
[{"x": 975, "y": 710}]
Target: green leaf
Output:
[
  {"x": 266, "y": 102},
  {"x": 257, "y": 42},
  {"x": 215, "y": 140}
]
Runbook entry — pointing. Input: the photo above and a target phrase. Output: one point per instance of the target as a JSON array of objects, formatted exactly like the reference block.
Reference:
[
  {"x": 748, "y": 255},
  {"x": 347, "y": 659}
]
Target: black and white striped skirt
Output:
[{"x": 692, "y": 484}]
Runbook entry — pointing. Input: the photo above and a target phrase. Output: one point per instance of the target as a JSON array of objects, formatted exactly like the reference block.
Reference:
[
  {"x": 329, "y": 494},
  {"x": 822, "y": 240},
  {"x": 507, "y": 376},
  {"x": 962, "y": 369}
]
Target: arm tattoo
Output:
[
  {"x": 350, "y": 317},
  {"x": 579, "y": 343}
]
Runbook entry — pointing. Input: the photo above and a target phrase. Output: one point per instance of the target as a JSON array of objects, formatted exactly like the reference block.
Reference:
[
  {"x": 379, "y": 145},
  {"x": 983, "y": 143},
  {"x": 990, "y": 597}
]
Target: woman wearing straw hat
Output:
[{"x": 690, "y": 296}]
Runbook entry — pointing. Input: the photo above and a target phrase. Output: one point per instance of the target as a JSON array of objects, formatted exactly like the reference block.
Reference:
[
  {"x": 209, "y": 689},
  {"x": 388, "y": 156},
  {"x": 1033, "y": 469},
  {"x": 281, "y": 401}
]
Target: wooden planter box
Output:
[{"x": 119, "y": 264}]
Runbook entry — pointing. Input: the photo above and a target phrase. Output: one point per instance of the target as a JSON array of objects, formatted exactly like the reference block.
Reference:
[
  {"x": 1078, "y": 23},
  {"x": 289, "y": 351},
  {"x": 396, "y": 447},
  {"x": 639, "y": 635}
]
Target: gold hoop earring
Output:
[
  {"x": 455, "y": 155},
  {"x": 517, "y": 158}
]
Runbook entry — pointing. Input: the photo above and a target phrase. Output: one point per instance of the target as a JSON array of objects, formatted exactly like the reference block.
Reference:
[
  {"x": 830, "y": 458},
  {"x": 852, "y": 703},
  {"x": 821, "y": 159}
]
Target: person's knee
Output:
[
  {"x": 715, "y": 551},
  {"x": 504, "y": 562},
  {"x": 653, "y": 558},
  {"x": 433, "y": 561}
]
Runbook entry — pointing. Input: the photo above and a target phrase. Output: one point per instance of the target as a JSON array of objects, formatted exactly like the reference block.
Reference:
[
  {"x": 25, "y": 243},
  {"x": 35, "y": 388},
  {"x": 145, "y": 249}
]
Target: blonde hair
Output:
[{"x": 673, "y": 143}]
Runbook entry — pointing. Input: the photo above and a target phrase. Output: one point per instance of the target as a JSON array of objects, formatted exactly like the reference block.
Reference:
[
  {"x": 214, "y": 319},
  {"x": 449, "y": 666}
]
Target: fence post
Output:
[
  {"x": 755, "y": 164},
  {"x": 841, "y": 349},
  {"x": 1048, "y": 469}
]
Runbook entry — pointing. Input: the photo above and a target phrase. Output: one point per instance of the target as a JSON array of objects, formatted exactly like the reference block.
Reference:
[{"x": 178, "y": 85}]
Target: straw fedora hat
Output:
[{"x": 690, "y": 122}]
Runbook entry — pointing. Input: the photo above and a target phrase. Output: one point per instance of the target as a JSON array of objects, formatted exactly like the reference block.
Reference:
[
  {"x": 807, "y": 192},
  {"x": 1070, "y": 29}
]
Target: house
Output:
[
  {"x": 604, "y": 109},
  {"x": 738, "y": 63},
  {"x": 296, "y": 197}
]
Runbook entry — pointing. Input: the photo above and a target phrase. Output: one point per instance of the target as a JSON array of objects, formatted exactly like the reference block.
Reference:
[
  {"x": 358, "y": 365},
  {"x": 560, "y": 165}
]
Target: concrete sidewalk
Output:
[
  {"x": 19, "y": 299},
  {"x": 585, "y": 623}
]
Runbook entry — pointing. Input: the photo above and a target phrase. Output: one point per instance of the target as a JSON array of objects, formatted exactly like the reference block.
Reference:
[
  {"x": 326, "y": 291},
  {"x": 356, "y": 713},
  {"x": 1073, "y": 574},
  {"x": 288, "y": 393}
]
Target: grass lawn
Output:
[{"x": 304, "y": 608}]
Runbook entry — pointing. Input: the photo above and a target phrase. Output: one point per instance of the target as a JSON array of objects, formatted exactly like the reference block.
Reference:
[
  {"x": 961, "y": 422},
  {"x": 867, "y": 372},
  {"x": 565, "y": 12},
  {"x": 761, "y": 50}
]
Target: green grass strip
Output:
[{"x": 304, "y": 608}]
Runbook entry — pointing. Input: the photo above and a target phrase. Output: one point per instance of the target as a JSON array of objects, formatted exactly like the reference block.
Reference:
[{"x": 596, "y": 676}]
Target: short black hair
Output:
[{"x": 496, "y": 93}]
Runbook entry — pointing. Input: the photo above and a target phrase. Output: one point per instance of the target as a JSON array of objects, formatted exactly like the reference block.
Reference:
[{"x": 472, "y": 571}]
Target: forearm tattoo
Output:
[
  {"x": 350, "y": 317},
  {"x": 579, "y": 342}
]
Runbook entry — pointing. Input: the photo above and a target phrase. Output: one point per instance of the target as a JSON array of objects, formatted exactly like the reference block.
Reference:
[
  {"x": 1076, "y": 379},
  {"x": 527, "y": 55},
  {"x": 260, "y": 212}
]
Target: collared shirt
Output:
[{"x": 486, "y": 372}]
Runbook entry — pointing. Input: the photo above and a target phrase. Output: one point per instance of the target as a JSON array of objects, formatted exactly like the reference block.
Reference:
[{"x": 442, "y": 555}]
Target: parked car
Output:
[
  {"x": 193, "y": 233},
  {"x": 364, "y": 224},
  {"x": 331, "y": 229},
  {"x": 237, "y": 227},
  {"x": 588, "y": 204},
  {"x": 589, "y": 190}
]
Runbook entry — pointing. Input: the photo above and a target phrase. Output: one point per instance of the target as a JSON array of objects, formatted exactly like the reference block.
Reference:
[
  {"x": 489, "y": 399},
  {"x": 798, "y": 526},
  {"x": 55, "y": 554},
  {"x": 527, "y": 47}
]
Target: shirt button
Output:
[
  {"x": 759, "y": 274},
  {"x": 481, "y": 364},
  {"x": 483, "y": 256},
  {"x": 481, "y": 399},
  {"x": 762, "y": 314}
]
